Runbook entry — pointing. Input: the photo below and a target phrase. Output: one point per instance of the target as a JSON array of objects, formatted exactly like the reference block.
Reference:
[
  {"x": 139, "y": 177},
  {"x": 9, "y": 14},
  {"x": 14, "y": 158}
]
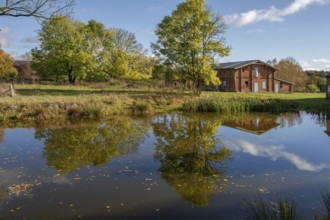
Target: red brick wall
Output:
[
  {"x": 227, "y": 77},
  {"x": 328, "y": 87},
  {"x": 243, "y": 80}
]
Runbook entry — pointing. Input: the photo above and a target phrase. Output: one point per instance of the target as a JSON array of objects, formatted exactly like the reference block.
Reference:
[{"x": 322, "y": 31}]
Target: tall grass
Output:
[
  {"x": 326, "y": 202},
  {"x": 279, "y": 210},
  {"x": 236, "y": 103}
]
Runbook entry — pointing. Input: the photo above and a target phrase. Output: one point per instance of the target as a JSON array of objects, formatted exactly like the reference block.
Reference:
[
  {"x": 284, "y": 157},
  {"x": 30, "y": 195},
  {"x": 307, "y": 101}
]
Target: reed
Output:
[
  {"x": 237, "y": 103},
  {"x": 282, "y": 209}
]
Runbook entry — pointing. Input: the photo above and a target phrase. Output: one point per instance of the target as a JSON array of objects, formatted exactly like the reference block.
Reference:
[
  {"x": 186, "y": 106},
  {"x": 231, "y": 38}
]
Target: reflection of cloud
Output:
[{"x": 275, "y": 152}]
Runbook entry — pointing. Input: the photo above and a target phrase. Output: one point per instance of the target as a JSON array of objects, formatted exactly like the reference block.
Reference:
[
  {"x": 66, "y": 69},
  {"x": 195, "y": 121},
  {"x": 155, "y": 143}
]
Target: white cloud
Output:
[
  {"x": 5, "y": 33},
  {"x": 255, "y": 31},
  {"x": 322, "y": 60},
  {"x": 275, "y": 152},
  {"x": 304, "y": 64},
  {"x": 31, "y": 39},
  {"x": 154, "y": 8},
  {"x": 271, "y": 14},
  {"x": 149, "y": 32}
]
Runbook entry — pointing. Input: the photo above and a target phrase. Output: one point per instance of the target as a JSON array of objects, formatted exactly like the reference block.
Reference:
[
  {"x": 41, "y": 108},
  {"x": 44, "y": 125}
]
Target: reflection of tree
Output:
[
  {"x": 289, "y": 119},
  {"x": 69, "y": 148},
  {"x": 2, "y": 135},
  {"x": 191, "y": 160}
]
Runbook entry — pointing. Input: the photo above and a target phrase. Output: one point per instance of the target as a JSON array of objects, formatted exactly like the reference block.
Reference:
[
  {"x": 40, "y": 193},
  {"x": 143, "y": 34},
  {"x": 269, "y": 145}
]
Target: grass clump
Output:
[
  {"x": 141, "y": 108},
  {"x": 282, "y": 209}
]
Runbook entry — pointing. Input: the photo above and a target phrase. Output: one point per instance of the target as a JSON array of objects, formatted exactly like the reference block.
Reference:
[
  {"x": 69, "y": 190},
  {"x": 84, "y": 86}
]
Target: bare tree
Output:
[{"x": 39, "y": 9}]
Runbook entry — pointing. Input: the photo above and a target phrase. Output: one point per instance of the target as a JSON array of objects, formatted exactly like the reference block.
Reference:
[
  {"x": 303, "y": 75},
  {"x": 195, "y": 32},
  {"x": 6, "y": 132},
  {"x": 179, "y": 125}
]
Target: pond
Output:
[{"x": 169, "y": 166}]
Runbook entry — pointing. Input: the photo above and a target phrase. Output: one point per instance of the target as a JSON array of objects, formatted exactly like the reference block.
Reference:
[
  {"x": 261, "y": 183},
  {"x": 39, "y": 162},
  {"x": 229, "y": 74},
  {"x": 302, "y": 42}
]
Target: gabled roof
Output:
[
  {"x": 282, "y": 80},
  {"x": 240, "y": 64},
  {"x": 327, "y": 74}
]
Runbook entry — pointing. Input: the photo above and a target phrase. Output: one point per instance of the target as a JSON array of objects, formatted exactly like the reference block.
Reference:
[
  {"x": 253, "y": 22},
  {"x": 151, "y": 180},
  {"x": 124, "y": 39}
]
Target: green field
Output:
[{"x": 52, "y": 101}]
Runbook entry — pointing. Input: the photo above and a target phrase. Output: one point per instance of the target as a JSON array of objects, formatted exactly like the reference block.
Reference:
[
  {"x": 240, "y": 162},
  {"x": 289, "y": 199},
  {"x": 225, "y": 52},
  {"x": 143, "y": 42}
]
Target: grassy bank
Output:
[
  {"x": 258, "y": 102},
  {"x": 99, "y": 101},
  {"x": 50, "y": 101}
]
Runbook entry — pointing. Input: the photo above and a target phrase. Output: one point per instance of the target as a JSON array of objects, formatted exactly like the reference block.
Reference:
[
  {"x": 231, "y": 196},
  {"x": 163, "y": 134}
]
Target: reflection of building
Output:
[
  {"x": 2, "y": 135},
  {"x": 327, "y": 131},
  {"x": 257, "y": 125}
]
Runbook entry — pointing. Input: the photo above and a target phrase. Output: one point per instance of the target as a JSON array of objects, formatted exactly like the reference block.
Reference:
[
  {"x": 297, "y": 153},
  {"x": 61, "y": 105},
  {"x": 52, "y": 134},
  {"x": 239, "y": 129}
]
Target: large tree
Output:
[
  {"x": 64, "y": 50},
  {"x": 128, "y": 58},
  {"x": 7, "y": 70},
  {"x": 291, "y": 70},
  {"x": 40, "y": 9},
  {"x": 189, "y": 41}
]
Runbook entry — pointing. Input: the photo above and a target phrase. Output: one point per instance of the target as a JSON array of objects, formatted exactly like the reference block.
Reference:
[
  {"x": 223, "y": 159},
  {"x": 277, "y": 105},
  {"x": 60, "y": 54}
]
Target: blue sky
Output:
[{"x": 257, "y": 29}]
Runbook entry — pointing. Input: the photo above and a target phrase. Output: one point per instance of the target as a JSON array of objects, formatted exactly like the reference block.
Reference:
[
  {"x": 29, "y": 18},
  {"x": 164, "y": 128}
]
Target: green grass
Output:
[
  {"x": 101, "y": 100},
  {"x": 259, "y": 102},
  {"x": 91, "y": 101}
]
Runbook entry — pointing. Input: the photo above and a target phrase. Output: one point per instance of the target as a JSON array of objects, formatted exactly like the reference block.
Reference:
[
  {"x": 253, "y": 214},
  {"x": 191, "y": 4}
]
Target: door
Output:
[
  {"x": 256, "y": 87},
  {"x": 276, "y": 88}
]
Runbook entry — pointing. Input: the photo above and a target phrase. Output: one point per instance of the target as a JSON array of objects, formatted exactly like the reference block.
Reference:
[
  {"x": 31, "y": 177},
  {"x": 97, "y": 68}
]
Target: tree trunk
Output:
[
  {"x": 12, "y": 91},
  {"x": 72, "y": 79}
]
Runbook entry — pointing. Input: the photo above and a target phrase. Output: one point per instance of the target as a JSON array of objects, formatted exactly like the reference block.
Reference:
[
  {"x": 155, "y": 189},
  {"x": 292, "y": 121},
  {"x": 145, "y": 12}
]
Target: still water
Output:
[{"x": 164, "y": 167}]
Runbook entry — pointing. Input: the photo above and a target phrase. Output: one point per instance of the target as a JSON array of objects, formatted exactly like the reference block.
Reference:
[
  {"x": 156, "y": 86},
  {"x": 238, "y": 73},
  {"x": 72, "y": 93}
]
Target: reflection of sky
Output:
[
  {"x": 275, "y": 152},
  {"x": 304, "y": 145}
]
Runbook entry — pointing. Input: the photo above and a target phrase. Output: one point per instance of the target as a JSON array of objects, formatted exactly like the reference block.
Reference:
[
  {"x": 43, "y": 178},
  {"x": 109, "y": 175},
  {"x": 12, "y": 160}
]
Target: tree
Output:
[
  {"x": 64, "y": 50},
  {"x": 291, "y": 70},
  {"x": 128, "y": 58},
  {"x": 7, "y": 70},
  {"x": 190, "y": 40},
  {"x": 40, "y": 9}
]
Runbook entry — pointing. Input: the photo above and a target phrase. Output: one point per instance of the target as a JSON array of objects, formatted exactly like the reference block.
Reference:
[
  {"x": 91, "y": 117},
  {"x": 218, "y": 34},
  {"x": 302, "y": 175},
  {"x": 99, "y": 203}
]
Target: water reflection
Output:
[
  {"x": 2, "y": 135},
  {"x": 191, "y": 158},
  {"x": 255, "y": 124},
  {"x": 275, "y": 152},
  {"x": 289, "y": 119},
  {"x": 75, "y": 146},
  {"x": 327, "y": 131}
]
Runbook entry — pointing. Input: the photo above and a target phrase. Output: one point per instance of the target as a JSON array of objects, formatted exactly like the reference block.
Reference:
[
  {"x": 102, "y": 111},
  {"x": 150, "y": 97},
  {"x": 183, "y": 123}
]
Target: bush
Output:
[{"x": 313, "y": 88}]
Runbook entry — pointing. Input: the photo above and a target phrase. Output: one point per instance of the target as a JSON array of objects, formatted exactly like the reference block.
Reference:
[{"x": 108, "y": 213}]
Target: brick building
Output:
[
  {"x": 251, "y": 76},
  {"x": 328, "y": 84}
]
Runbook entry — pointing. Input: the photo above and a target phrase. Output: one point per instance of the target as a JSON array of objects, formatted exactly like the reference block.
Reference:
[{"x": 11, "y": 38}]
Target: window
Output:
[
  {"x": 256, "y": 73},
  {"x": 264, "y": 85},
  {"x": 224, "y": 83}
]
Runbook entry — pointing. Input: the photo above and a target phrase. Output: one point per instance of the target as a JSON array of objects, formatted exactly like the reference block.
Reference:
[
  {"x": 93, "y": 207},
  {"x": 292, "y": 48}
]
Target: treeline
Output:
[
  {"x": 305, "y": 81},
  {"x": 72, "y": 50},
  {"x": 189, "y": 41}
]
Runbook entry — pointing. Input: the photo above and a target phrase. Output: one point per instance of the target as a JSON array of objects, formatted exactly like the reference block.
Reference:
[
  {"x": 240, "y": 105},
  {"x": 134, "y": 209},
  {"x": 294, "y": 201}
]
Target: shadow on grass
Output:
[{"x": 73, "y": 92}]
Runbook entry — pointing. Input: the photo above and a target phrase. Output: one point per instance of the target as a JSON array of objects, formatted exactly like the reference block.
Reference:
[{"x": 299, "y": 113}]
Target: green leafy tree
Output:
[
  {"x": 39, "y": 9},
  {"x": 128, "y": 59},
  {"x": 64, "y": 50},
  {"x": 190, "y": 40},
  {"x": 100, "y": 44},
  {"x": 7, "y": 70},
  {"x": 191, "y": 158},
  {"x": 317, "y": 78},
  {"x": 291, "y": 70},
  {"x": 71, "y": 147}
]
